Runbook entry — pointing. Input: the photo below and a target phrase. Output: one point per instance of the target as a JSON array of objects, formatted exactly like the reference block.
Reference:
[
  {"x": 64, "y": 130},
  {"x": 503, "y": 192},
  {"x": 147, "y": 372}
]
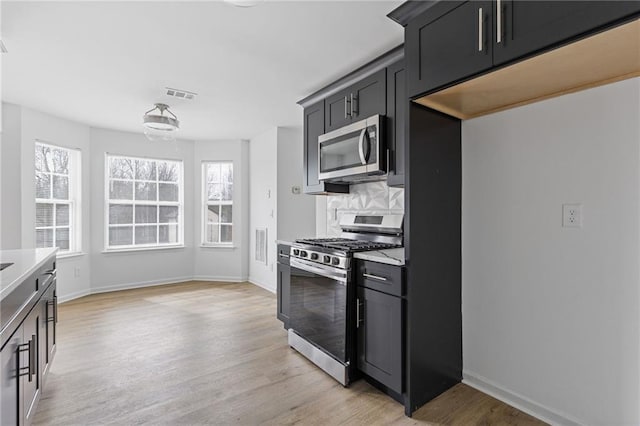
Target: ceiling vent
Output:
[{"x": 180, "y": 94}]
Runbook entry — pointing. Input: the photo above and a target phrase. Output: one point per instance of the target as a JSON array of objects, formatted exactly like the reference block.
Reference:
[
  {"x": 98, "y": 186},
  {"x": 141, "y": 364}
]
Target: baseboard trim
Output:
[
  {"x": 262, "y": 285},
  {"x": 520, "y": 402},
  {"x": 72, "y": 296},
  {"x": 140, "y": 284}
]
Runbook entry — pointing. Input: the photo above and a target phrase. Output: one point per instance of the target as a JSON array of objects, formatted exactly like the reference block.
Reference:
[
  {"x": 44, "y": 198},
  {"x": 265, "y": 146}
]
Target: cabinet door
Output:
[
  {"x": 30, "y": 382},
  {"x": 524, "y": 27},
  {"x": 314, "y": 127},
  {"x": 397, "y": 103},
  {"x": 47, "y": 330},
  {"x": 380, "y": 337},
  {"x": 369, "y": 96},
  {"x": 9, "y": 378},
  {"x": 448, "y": 48},
  {"x": 337, "y": 110},
  {"x": 284, "y": 294}
]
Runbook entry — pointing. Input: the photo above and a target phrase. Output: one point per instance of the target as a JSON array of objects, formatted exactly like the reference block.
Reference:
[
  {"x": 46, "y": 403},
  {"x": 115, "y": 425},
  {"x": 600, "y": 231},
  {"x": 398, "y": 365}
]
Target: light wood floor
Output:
[{"x": 209, "y": 353}]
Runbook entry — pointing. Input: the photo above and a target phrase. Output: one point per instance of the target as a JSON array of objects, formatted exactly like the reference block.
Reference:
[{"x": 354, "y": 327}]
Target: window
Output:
[
  {"x": 144, "y": 205},
  {"x": 57, "y": 197},
  {"x": 218, "y": 202}
]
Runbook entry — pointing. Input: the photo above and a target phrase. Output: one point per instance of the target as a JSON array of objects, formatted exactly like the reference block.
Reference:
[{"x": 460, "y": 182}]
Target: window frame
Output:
[
  {"x": 205, "y": 203},
  {"x": 74, "y": 199},
  {"x": 133, "y": 202}
]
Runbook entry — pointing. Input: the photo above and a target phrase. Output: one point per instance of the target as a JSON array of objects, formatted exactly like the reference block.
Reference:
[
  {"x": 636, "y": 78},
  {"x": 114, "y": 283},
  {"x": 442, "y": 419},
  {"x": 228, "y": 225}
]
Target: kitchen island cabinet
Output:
[{"x": 27, "y": 330}]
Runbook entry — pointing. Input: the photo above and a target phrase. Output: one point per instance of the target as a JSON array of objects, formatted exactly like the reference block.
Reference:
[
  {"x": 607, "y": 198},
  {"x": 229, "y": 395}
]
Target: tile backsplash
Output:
[{"x": 370, "y": 198}]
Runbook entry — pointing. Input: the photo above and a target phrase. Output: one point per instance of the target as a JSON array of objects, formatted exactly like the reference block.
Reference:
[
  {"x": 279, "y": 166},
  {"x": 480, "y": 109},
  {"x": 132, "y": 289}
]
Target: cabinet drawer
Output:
[
  {"x": 381, "y": 277},
  {"x": 283, "y": 253}
]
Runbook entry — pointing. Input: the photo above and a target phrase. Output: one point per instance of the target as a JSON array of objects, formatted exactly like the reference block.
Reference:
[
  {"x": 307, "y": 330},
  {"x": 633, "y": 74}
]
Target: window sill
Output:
[
  {"x": 218, "y": 246},
  {"x": 136, "y": 249},
  {"x": 70, "y": 255}
]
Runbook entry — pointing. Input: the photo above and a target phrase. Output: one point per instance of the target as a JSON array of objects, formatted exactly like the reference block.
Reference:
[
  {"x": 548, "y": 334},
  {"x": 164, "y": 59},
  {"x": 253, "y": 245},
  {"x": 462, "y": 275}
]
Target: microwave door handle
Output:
[{"x": 363, "y": 157}]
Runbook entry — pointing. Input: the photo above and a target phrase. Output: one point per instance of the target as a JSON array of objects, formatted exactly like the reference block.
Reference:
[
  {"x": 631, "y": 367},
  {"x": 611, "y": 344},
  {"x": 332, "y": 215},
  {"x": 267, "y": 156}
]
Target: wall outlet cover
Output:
[{"x": 572, "y": 215}]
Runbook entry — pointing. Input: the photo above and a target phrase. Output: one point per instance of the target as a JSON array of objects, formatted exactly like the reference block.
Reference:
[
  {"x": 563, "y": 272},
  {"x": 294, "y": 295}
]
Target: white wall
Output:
[
  {"x": 551, "y": 315},
  {"x": 295, "y": 212},
  {"x": 263, "y": 192},
  {"x": 217, "y": 263},
  {"x": 10, "y": 175},
  {"x": 111, "y": 271}
]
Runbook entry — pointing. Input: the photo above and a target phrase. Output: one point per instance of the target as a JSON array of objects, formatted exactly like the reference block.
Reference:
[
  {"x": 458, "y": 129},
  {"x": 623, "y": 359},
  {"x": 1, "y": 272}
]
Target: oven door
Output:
[
  {"x": 351, "y": 150},
  {"x": 319, "y": 306}
]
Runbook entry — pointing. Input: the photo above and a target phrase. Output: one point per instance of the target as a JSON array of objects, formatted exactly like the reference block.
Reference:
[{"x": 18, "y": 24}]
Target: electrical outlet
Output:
[{"x": 572, "y": 215}]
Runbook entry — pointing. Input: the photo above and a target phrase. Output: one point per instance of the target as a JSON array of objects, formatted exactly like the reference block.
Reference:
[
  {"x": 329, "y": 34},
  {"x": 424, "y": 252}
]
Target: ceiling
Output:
[{"x": 106, "y": 63}]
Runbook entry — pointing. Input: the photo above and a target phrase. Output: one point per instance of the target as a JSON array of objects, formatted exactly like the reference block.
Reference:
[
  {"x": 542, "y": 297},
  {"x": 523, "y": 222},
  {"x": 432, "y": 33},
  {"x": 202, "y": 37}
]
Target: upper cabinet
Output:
[
  {"x": 377, "y": 88},
  {"x": 357, "y": 102},
  {"x": 453, "y": 41}
]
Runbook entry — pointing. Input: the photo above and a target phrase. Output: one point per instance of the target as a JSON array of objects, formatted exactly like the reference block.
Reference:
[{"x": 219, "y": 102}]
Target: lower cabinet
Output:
[
  {"x": 284, "y": 284},
  {"x": 379, "y": 331},
  {"x": 49, "y": 309}
]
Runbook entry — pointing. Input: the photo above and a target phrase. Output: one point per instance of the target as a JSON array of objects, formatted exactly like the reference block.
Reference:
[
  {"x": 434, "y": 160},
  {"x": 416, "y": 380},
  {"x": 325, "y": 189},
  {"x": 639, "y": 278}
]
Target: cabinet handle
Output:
[
  {"x": 358, "y": 319},
  {"x": 374, "y": 277},
  {"x": 55, "y": 307},
  {"x": 499, "y": 22},
  {"x": 32, "y": 356},
  {"x": 389, "y": 161},
  {"x": 480, "y": 30},
  {"x": 354, "y": 108},
  {"x": 347, "y": 106},
  {"x": 283, "y": 255}
]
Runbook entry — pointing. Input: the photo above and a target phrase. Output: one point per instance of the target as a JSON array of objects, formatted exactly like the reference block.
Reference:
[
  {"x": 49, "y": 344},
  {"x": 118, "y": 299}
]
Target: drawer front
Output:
[
  {"x": 385, "y": 278},
  {"x": 283, "y": 253}
]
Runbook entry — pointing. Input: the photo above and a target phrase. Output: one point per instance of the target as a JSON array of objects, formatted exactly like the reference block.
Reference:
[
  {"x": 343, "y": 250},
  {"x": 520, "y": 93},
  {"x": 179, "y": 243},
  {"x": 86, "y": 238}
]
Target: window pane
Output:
[
  {"x": 145, "y": 170},
  {"x": 214, "y": 191},
  {"x": 120, "y": 236},
  {"x": 44, "y": 214},
  {"x": 60, "y": 160},
  {"x": 168, "y": 191},
  {"x": 226, "y": 214},
  {"x": 213, "y": 213},
  {"x": 167, "y": 171},
  {"x": 62, "y": 238},
  {"x": 146, "y": 234},
  {"x": 119, "y": 190},
  {"x": 61, "y": 187},
  {"x": 146, "y": 191},
  {"x": 169, "y": 214},
  {"x": 41, "y": 165},
  {"x": 227, "y": 192},
  {"x": 146, "y": 214},
  {"x": 213, "y": 173},
  {"x": 121, "y": 168},
  {"x": 120, "y": 214},
  {"x": 43, "y": 185},
  {"x": 62, "y": 215},
  {"x": 226, "y": 170},
  {"x": 44, "y": 238},
  {"x": 225, "y": 234},
  {"x": 212, "y": 235},
  {"x": 168, "y": 233}
]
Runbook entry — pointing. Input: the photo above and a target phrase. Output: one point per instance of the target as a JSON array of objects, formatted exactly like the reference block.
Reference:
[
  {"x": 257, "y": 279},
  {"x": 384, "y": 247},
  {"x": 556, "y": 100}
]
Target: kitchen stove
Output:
[{"x": 322, "y": 290}]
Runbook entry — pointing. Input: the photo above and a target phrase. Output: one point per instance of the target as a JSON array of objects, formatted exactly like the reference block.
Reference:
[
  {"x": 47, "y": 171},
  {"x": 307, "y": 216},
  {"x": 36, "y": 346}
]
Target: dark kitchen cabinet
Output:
[
  {"x": 363, "y": 99},
  {"x": 9, "y": 379},
  {"x": 29, "y": 364},
  {"x": 49, "y": 308},
  {"x": 453, "y": 41},
  {"x": 379, "y": 323},
  {"x": 397, "y": 103},
  {"x": 283, "y": 291},
  {"x": 313, "y": 124}
]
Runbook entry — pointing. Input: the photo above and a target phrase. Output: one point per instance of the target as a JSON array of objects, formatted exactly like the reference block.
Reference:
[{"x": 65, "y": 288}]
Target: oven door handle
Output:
[{"x": 295, "y": 263}]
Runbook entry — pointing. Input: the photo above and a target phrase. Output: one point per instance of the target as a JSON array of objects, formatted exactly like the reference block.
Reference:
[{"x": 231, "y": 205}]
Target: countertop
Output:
[
  {"x": 284, "y": 242},
  {"x": 390, "y": 257},
  {"x": 25, "y": 262}
]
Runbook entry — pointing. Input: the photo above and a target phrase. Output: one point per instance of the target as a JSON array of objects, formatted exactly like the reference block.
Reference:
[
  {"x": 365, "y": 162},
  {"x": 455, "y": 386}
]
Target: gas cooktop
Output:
[{"x": 346, "y": 244}]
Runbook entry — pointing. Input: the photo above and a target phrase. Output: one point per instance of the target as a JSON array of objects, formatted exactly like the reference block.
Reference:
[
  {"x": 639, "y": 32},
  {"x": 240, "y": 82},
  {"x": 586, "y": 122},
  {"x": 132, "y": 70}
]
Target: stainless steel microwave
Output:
[{"x": 354, "y": 152}]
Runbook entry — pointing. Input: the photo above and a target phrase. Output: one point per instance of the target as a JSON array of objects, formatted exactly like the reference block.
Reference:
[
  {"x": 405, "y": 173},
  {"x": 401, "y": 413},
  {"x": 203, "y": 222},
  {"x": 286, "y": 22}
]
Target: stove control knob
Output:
[
  {"x": 296, "y": 252},
  {"x": 314, "y": 256},
  {"x": 326, "y": 259},
  {"x": 303, "y": 253},
  {"x": 335, "y": 261}
]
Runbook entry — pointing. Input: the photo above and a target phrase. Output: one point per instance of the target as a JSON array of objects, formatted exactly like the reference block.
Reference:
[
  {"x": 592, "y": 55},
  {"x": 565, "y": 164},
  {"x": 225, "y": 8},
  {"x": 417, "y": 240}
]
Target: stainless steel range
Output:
[{"x": 323, "y": 302}]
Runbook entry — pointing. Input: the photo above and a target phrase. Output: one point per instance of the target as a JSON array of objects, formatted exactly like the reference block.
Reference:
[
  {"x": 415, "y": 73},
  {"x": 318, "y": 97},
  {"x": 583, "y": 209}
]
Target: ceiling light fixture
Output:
[{"x": 158, "y": 126}]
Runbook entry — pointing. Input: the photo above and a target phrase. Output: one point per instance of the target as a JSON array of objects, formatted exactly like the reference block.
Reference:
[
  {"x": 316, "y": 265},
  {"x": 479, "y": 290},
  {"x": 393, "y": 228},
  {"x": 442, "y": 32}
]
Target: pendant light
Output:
[{"x": 160, "y": 124}]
